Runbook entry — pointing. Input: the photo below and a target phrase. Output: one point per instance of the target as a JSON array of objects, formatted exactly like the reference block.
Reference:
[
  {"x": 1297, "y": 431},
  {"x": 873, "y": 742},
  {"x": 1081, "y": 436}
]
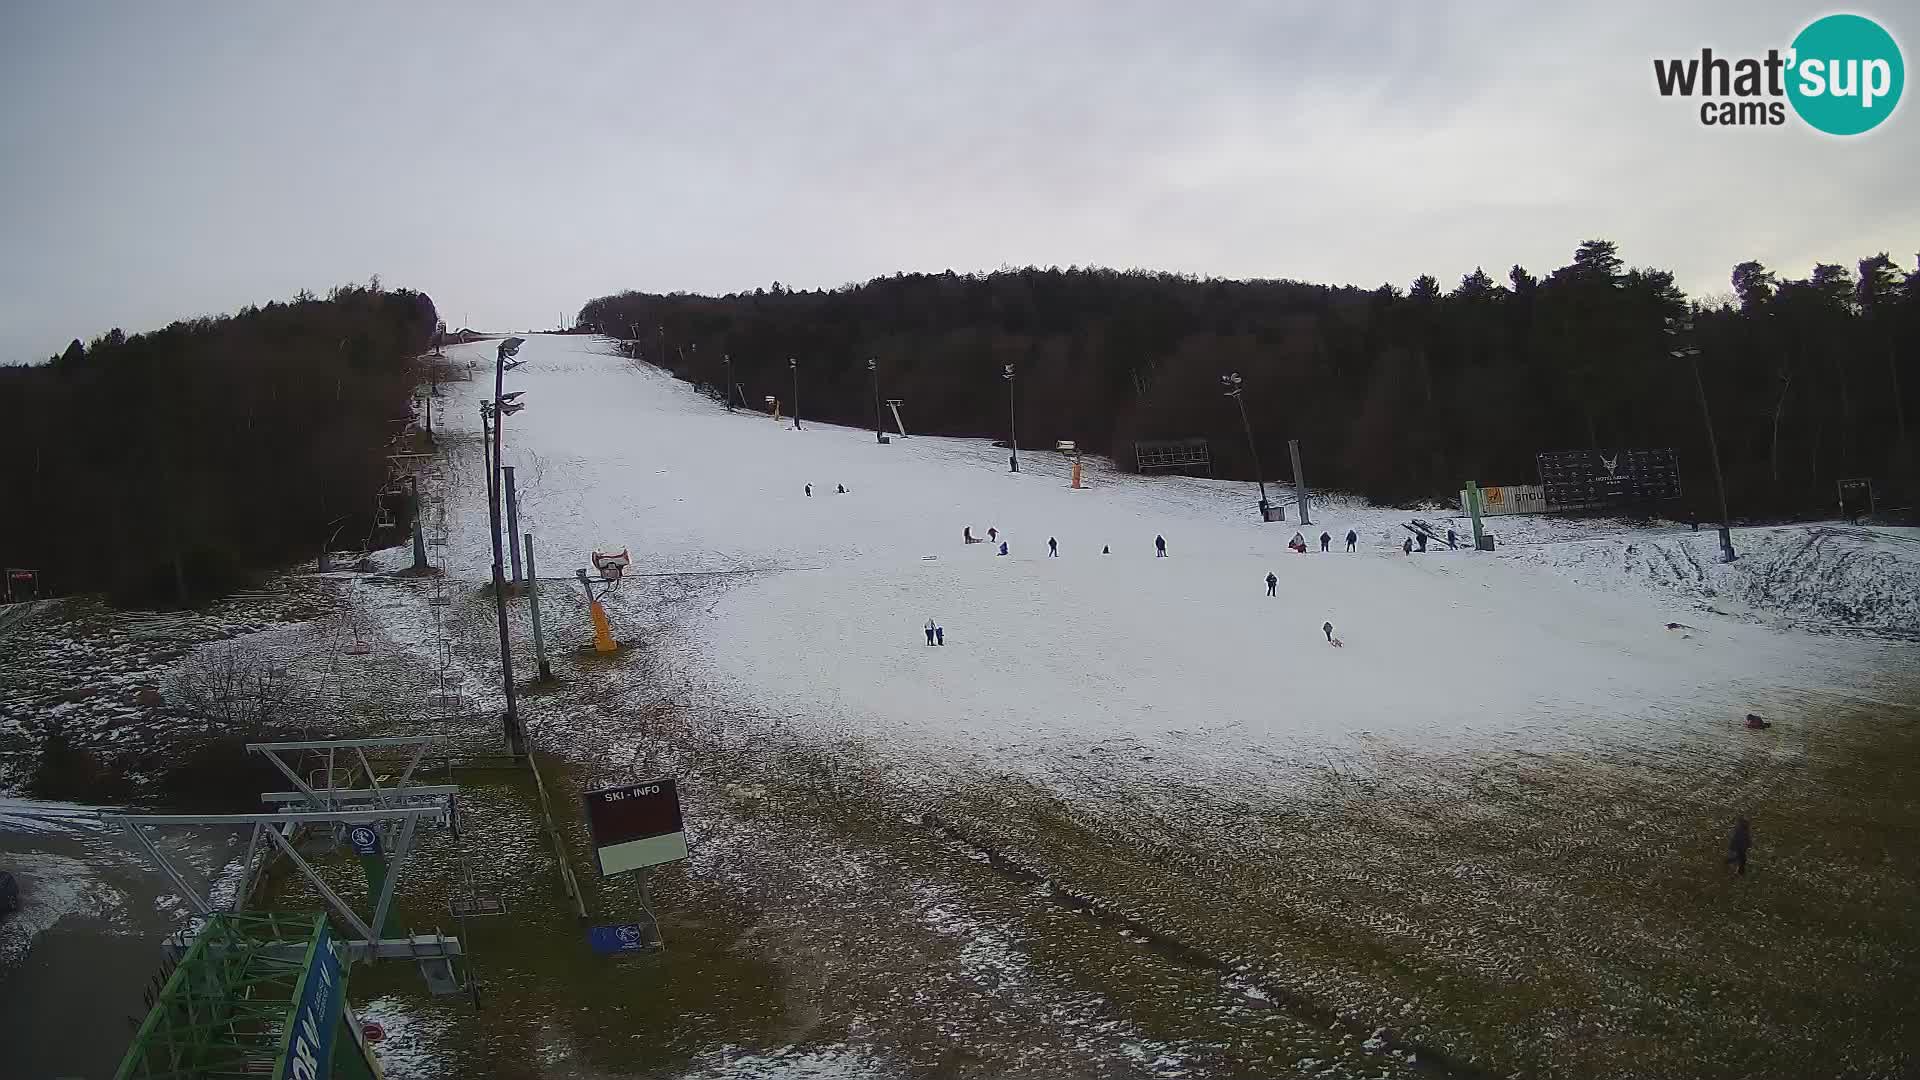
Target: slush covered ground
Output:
[{"x": 1483, "y": 836}]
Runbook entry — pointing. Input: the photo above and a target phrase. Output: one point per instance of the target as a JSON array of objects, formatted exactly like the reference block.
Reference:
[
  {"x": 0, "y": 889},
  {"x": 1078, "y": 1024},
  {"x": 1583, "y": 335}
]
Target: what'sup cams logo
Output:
[{"x": 1842, "y": 75}]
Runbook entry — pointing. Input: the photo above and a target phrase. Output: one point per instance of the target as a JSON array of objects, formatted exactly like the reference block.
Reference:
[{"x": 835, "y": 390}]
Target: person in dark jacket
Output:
[
  {"x": 1325, "y": 539},
  {"x": 1053, "y": 548},
  {"x": 1352, "y": 538},
  {"x": 809, "y": 491},
  {"x": 1452, "y": 540},
  {"x": 843, "y": 489},
  {"x": 993, "y": 534},
  {"x": 1003, "y": 547},
  {"x": 1423, "y": 541},
  {"x": 1105, "y": 550},
  {"x": 1272, "y": 582},
  {"x": 930, "y": 629},
  {"x": 1407, "y": 545},
  {"x": 1739, "y": 843},
  {"x": 1327, "y": 629},
  {"x": 1160, "y": 547},
  {"x": 939, "y": 635}
]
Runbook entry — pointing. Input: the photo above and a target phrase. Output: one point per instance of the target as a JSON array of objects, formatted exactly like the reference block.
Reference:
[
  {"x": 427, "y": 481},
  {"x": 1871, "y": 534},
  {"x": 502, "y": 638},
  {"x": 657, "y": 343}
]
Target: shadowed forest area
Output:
[
  {"x": 165, "y": 467},
  {"x": 1397, "y": 394}
]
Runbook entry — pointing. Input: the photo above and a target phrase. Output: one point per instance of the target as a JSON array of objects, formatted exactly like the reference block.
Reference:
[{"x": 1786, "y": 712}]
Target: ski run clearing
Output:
[{"x": 1564, "y": 633}]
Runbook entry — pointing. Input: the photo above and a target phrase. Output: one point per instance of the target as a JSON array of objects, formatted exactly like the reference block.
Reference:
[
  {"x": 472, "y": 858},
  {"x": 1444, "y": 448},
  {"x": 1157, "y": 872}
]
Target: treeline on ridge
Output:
[
  {"x": 1397, "y": 394},
  {"x": 167, "y": 467}
]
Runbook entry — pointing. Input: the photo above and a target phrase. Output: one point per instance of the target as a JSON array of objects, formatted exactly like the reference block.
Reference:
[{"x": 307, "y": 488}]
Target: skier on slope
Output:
[
  {"x": 1738, "y": 845},
  {"x": 1352, "y": 537},
  {"x": 930, "y": 629},
  {"x": 843, "y": 489},
  {"x": 1160, "y": 547},
  {"x": 939, "y": 635},
  {"x": 993, "y": 534},
  {"x": 1003, "y": 547},
  {"x": 1423, "y": 542},
  {"x": 1325, "y": 539},
  {"x": 1053, "y": 548},
  {"x": 1453, "y": 541},
  {"x": 1272, "y": 582},
  {"x": 1406, "y": 546},
  {"x": 1327, "y": 629},
  {"x": 809, "y": 491}
]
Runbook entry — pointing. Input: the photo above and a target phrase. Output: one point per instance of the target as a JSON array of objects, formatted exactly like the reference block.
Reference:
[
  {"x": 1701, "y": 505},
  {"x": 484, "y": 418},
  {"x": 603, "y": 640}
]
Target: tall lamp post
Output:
[
  {"x": 1013, "y": 430},
  {"x": 873, "y": 368},
  {"x": 1235, "y": 390},
  {"x": 1681, "y": 331},
  {"x": 726, "y": 360},
  {"x": 794, "y": 366},
  {"x": 497, "y": 410}
]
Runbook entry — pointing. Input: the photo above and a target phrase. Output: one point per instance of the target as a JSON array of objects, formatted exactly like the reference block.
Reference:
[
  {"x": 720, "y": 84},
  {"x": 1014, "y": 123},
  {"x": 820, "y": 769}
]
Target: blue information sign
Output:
[
  {"x": 365, "y": 839},
  {"x": 619, "y": 938}
]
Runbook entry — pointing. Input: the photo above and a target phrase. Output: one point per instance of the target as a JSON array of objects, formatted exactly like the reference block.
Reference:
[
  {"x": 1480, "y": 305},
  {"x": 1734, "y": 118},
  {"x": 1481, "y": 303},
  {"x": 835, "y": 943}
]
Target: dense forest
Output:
[
  {"x": 165, "y": 468},
  {"x": 1400, "y": 394}
]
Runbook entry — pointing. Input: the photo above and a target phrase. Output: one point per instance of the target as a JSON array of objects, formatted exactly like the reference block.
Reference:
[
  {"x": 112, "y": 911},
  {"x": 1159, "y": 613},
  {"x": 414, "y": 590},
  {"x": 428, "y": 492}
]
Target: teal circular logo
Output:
[{"x": 1846, "y": 76}]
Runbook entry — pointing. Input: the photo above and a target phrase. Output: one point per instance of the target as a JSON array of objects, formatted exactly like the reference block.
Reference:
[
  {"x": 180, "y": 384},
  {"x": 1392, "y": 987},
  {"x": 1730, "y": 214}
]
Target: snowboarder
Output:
[
  {"x": 1160, "y": 547},
  {"x": 1325, "y": 539},
  {"x": 1452, "y": 540},
  {"x": 1272, "y": 582},
  {"x": 1352, "y": 537},
  {"x": 993, "y": 534},
  {"x": 1327, "y": 629},
  {"x": 1053, "y": 548},
  {"x": 930, "y": 630},
  {"x": 843, "y": 489},
  {"x": 1003, "y": 547},
  {"x": 809, "y": 491},
  {"x": 1738, "y": 844},
  {"x": 939, "y": 635},
  {"x": 1407, "y": 545},
  {"x": 1423, "y": 542}
]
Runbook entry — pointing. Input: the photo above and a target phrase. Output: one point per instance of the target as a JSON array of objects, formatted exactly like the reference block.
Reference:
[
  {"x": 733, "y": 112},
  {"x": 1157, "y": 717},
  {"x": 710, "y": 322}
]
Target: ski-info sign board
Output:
[{"x": 636, "y": 825}]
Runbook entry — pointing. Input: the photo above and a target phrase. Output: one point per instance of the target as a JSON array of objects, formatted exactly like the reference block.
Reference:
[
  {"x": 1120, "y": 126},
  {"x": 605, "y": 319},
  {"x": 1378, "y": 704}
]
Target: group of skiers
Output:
[
  {"x": 1053, "y": 544},
  {"x": 840, "y": 489},
  {"x": 1299, "y": 542}
]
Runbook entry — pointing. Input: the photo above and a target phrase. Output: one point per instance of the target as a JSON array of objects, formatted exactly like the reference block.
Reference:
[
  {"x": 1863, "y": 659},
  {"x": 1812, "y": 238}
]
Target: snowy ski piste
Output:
[{"x": 1185, "y": 657}]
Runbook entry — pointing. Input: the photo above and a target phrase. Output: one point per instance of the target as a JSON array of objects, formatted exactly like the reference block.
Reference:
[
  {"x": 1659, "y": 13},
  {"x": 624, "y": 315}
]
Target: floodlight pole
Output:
[
  {"x": 727, "y": 359},
  {"x": 1234, "y": 385},
  {"x": 879, "y": 432},
  {"x": 1013, "y": 429},
  {"x": 794, "y": 366},
  {"x": 516, "y": 740},
  {"x": 1691, "y": 353}
]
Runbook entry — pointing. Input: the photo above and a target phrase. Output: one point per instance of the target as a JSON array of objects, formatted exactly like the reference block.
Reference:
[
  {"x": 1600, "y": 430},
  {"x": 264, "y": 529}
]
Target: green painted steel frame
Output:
[{"x": 224, "y": 1011}]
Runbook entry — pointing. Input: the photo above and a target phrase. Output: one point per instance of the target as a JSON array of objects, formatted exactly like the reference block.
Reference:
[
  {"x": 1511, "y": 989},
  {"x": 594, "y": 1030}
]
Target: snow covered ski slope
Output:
[{"x": 1185, "y": 655}]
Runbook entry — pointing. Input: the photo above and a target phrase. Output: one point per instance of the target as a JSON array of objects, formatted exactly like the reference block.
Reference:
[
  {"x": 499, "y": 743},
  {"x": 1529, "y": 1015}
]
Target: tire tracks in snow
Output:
[{"x": 1427, "y": 1059}]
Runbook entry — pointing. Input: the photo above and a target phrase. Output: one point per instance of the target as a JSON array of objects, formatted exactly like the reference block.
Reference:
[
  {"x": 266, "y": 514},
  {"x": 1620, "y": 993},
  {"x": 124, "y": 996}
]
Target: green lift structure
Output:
[{"x": 256, "y": 994}]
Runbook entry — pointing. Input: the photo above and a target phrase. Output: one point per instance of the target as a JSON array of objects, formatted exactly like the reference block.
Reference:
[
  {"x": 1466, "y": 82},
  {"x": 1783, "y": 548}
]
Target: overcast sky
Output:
[{"x": 169, "y": 159}]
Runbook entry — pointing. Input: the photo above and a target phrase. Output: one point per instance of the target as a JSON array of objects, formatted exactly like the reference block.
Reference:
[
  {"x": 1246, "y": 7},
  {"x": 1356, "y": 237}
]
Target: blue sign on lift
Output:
[{"x": 365, "y": 840}]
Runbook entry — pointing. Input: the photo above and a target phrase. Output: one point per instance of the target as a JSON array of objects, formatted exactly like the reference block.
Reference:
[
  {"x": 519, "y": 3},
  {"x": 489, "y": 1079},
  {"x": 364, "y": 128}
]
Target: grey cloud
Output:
[{"x": 167, "y": 160}]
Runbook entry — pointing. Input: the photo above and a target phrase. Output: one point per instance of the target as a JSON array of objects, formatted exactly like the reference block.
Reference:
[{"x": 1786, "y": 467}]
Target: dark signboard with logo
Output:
[
  {"x": 1600, "y": 478},
  {"x": 636, "y": 825}
]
